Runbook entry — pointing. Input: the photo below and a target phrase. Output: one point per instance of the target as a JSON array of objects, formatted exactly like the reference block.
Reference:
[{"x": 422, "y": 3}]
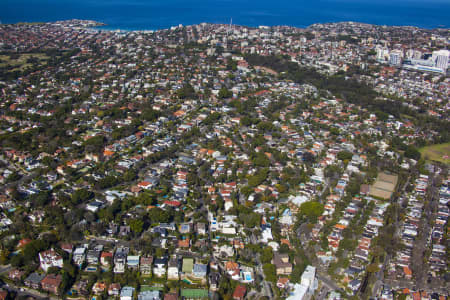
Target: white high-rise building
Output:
[
  {"x": 309, "y": 279},
  {"x": 441, "y": 59},
  {"x": 395, "y": 58},
  {"x": 382, "y": 53},
  {"x": 307, "y": 287}
]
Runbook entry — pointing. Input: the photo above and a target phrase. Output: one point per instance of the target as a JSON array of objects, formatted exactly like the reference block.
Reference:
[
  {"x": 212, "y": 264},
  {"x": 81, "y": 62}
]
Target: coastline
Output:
[
  {"x": 110, "y": 27},
  {"x": 141, "y": 15},
  {"x": 102, "y": 26}
]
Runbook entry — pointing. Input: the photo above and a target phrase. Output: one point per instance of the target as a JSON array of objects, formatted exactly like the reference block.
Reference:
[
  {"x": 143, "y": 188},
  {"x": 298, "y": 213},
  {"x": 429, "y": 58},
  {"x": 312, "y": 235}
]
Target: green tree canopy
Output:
[
  {"x": 81, "y": 195},
  {"x": 266, "y": 255},
  {"x": 412, "y": 152},
  {"x": 157, "y": 215},
  {"x": 311, "y": 209},
  {"x": 187, "y": 91},
  {"x": 225, "y": 93},
  {"x": 95, "y": 143},
  {"x": 137, "y": 225},
  {"x": 149, "y": 114},
  {"x": 270, "y": 272},
  {"x": 344, "y": 155}
]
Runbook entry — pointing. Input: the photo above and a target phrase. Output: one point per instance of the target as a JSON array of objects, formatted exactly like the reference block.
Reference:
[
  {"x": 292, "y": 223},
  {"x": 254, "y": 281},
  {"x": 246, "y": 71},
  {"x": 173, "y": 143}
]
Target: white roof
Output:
[
  {"x": 127, "y": 291},
  {"x": 298, "y": 200},
  {"x": 79, "y": 251},
  {"x": 308, "y": 276},
  {"x": 298, "y": 293}
]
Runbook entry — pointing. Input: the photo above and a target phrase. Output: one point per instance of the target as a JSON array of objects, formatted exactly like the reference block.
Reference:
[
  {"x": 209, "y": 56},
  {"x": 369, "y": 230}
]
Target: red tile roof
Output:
[{"x": 239, "y": 292}]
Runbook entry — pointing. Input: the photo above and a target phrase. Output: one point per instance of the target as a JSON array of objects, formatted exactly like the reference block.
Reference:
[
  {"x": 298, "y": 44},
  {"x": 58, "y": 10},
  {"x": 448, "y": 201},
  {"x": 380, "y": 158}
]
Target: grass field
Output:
[
  {"x": 440, "y": 153},
  {"x": 21, "y": 62}
]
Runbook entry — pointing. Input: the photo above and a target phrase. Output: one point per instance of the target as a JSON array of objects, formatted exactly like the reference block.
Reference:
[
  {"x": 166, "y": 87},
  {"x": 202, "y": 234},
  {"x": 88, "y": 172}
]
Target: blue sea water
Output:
[{"x": 159, "y": 14}]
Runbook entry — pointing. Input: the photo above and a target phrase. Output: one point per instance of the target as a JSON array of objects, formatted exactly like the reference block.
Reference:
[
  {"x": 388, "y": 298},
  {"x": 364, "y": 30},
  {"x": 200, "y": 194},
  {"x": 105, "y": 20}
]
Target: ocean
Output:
[{"x": 156, "y": 14}]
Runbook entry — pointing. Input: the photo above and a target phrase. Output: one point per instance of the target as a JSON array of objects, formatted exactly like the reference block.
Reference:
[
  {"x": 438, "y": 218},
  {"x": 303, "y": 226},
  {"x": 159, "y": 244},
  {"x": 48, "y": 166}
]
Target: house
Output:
[
  {"x": 170, "y": 296},
  {"x": 34, "y": 280},
  {"x": 408, "y": 272},
  {"x": 416, "y": 296},
  {"x": 228, "y": 203},
  {"x": 185, "y": 228},
  {"x": 282, "y": 264},
  {"x": 16, "y": 274},
  {"x": 133, "y": 261},
  {"x": 149, "y": 295},
  {"x": 99, "y": 287},
  {"x": 239, "y": 292},
  {"x": 184, "y": 243},
  {"x": 127, "y": 293},
  {"x": 114, "y": 289},
  {"x": 354, "y": 284},
  {"x": 146, "y": 265},
  {"x": 162, "y": 231},
  {"x": 112, "y": 229},
  {"x": 67, "y": 247},
  {"x": 145, "y": 185},
  {"x": 124, "y": 230},
  {"x": 246, "y": 274},
  {"x": 106, "y": 258},
  {"x": 22, "y": 243},
  {"x": 3, "y": 295},
  {"x": 79, "y": 256},
  {"x": 50, "y": 259},
  {"x": 173, "y": 269},
  {"x": 159, "y": 268},
  {"x": 92, "y": 257},
  {"x": 110, "y": 196},
  {"x": 224, "y": 250},
  {"x": 282, "y": 282},
  {"x": 172, "y": 203},
  {"x": 199, "y": 271},
  {"x": 214, "y": 279},
  {"x": 94, "y": 206},
  {"x": 232, "y": 268},
  {"x": 201, "y": 228},
  {"x": 80, "y": 288},
  {"x": 120, "y": 258},
  {"x": 51, "y": 283}
]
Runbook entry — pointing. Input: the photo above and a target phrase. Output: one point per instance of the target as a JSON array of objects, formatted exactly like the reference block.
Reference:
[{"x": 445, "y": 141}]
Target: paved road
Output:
[
  {"x": 28, "y": 292},
  {"x": 419, "y": 267},
  {"x": 328, "y": 282},
  {"x": 378, "y": 285},
  {"x": 5, "y": 268},
  {"x": 323, "y": 293},
  {"x": 380, "y": 274},
  {"x": 267, "y": 288}
]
